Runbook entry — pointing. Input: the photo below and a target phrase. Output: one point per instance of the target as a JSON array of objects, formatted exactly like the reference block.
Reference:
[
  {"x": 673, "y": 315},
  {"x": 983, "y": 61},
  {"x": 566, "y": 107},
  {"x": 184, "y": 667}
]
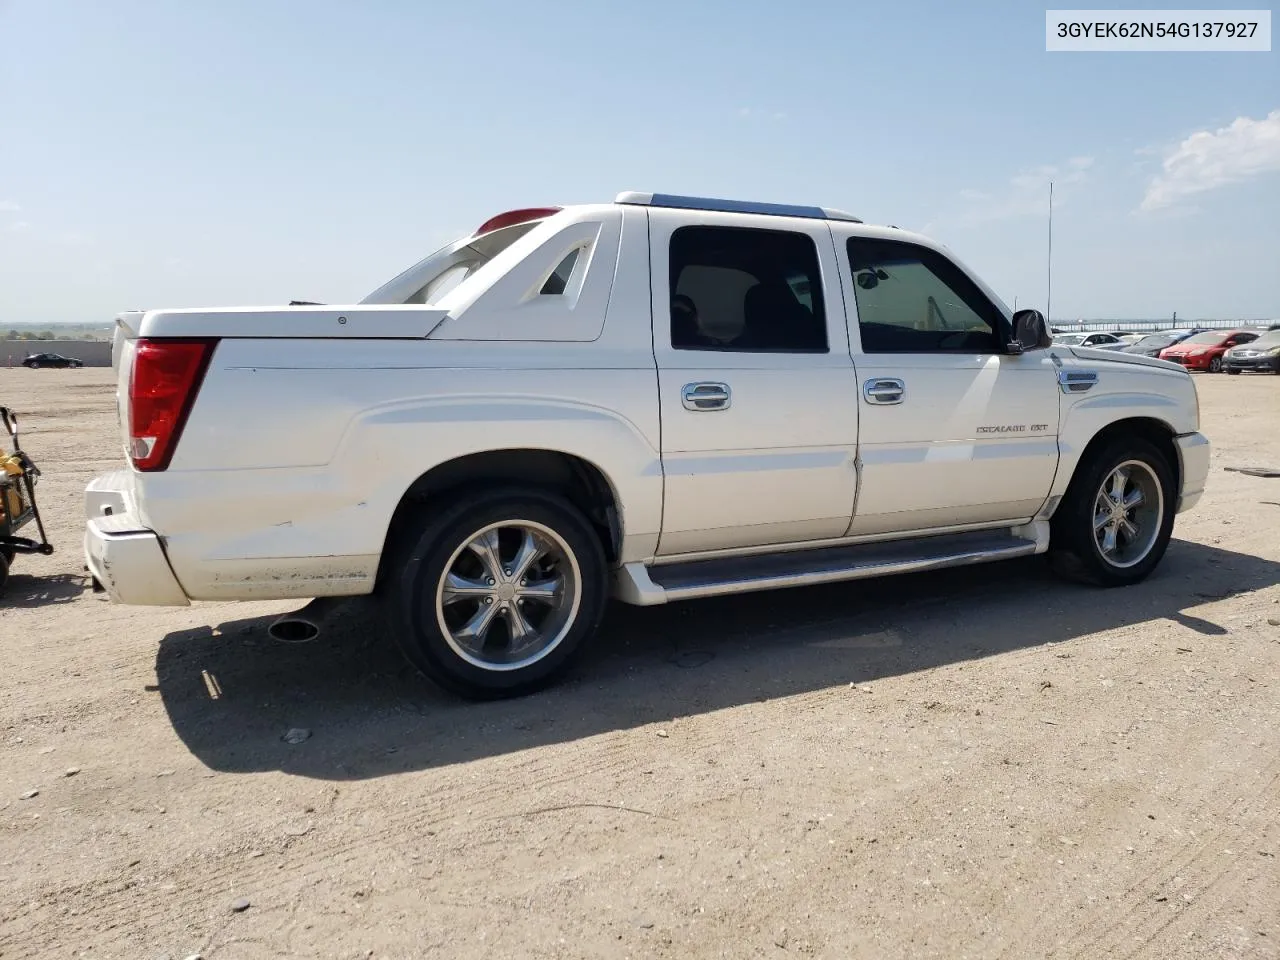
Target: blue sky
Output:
[{"x": 182, "y": 153}]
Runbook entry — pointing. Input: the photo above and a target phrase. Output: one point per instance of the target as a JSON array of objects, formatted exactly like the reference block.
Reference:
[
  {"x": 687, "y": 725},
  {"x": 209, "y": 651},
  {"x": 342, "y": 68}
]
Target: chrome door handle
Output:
[
  {"x": 706, "y": 396},
  {"x": 884, "y": 390}
]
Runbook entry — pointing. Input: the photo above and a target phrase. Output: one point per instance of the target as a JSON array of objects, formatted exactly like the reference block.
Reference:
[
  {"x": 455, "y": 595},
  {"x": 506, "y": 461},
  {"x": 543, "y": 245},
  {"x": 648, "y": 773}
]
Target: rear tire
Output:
[
  {"x": 4, "y": 573},
  {"x": 495, "y": 594},
  {"x": 1114, "y": 523}
]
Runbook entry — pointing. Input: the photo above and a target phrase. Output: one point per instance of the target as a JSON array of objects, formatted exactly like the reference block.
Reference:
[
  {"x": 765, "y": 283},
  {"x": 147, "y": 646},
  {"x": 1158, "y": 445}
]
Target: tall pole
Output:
[{"x": 1048, "y": 300}]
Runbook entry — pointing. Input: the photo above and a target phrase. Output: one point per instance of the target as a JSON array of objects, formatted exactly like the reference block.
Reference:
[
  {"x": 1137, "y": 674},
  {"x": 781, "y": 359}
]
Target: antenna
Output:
[{"x": 1049, "y": 295}]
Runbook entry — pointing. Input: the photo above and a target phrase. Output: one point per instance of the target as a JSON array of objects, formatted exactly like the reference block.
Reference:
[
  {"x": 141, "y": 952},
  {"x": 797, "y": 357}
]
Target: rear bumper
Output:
[
  {"x": 1193, "y": 453},
  {"x": 127, "y": 559}
]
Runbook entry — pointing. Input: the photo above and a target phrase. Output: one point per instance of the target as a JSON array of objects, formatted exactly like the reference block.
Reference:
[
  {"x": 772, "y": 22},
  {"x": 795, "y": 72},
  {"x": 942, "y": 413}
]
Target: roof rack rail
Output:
[{"x": 732, "y": 206}]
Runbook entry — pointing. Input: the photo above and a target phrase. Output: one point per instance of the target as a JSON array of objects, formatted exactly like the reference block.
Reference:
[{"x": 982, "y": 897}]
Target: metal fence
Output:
[{"x": 1152, "y": 326}]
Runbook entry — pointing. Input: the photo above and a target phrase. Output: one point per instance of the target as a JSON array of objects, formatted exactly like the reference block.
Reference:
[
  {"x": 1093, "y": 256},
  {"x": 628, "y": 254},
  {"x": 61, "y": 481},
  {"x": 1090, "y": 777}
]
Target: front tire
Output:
[
  {"x": 1215, "y": 365},
  {"x": 495, "y": 595},
  {"x": 1231, "y": 372},
  {"x": 1114, "y": 524}
]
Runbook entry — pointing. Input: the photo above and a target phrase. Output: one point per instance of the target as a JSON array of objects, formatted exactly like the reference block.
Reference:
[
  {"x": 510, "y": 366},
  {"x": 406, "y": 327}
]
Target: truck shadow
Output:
[
  {"x": 232, "y": 695},
  {"x": 28, "y": 591}
]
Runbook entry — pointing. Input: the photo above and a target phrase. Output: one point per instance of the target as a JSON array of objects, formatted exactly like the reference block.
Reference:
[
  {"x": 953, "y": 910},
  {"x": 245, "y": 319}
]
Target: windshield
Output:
[
  {"x": 1211, "y": 338},
  {"x": 1268, "y": 340},
  {"x": 1156, "y": 340},
  {"x": 1069, "y": 339}
]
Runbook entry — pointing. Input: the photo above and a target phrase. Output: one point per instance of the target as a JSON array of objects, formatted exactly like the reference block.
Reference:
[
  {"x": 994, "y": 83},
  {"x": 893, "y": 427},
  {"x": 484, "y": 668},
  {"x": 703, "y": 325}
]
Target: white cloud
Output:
[
  {"x": 1209, "y": 159},
  {"x": 1024, "y": 195},
  {"x": 18, "y": 226},
  {"x": 8, "y": 206}
]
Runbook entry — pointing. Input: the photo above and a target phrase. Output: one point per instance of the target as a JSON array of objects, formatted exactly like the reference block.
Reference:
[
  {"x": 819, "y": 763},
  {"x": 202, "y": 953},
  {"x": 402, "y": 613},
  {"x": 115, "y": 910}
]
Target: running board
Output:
[{"x": 643, "y": 585}]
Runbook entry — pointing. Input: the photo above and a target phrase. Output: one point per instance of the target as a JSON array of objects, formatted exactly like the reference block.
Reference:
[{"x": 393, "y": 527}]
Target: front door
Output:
[
  {"x": 757, "y": 391},
  {"x": 954, "y": 430}
]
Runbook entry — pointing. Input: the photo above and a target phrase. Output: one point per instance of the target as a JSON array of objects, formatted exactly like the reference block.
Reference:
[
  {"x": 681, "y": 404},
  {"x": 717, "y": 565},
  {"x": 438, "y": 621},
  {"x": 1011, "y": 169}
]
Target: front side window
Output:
[
  {"x": 746, "y": 290},
  {"x": 914, "y": 300}
]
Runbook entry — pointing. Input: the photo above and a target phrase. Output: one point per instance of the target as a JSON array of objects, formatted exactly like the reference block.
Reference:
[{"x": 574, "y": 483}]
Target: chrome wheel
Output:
[
  {"x": 508, "y": 595},
  {"x": 1127, "y": 514},
  {"x": 1215, "y": 365}
]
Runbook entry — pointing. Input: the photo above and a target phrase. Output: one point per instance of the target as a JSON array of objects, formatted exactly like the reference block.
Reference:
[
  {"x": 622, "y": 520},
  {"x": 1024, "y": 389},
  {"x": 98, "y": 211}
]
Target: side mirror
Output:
[{"x": 1030, "y": 332}]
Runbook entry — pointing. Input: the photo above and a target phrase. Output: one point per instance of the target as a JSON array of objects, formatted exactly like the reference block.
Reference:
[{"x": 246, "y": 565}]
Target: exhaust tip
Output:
[{"x": 289, "y": 630}]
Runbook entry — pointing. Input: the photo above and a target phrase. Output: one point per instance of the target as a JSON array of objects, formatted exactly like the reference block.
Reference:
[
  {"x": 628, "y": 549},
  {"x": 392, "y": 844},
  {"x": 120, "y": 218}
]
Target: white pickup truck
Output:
[{"x": 654, "y": 399}]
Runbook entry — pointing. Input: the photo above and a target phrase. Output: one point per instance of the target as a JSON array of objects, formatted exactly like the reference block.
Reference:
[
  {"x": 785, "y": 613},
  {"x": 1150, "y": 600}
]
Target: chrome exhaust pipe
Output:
[{"x": 303, "y": 626}]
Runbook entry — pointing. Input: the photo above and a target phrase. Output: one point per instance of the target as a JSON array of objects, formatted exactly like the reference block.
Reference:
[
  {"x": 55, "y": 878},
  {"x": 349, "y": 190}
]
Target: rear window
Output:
[{"x": 746, "y": 289}]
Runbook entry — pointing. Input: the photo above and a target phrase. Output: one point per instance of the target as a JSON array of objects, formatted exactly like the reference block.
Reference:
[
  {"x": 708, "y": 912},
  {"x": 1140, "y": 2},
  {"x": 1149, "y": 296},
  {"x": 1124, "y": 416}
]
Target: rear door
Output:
[{"x": 757, "y": 390}]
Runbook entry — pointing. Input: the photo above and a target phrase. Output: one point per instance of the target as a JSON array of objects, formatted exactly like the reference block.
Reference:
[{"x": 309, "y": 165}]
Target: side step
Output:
[{"x": 644, "y": 585}]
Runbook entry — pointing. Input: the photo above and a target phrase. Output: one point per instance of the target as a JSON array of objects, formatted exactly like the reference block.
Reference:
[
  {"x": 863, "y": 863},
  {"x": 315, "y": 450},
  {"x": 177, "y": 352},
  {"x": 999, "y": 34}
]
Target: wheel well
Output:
[
  {"x": 579, "y": 481},
  {"x": 1156, "y": 432}
]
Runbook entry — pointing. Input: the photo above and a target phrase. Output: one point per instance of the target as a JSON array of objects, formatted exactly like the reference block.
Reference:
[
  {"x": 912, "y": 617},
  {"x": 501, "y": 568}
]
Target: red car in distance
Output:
[{"x": 1204, "y": 350}]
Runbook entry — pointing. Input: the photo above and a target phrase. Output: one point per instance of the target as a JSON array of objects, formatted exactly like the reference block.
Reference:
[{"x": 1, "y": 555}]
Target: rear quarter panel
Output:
[{"x": 298, "y": 451}]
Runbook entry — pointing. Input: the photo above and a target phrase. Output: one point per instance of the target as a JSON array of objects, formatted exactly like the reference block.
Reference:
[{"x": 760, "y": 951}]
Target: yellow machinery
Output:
[{"x": 18, "y": 476}]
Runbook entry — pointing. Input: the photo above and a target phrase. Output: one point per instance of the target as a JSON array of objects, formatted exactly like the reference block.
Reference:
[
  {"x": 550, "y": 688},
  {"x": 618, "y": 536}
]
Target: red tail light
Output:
[
  {"x": 165, "y": 379},
  {"x": 512, "y": 217}
]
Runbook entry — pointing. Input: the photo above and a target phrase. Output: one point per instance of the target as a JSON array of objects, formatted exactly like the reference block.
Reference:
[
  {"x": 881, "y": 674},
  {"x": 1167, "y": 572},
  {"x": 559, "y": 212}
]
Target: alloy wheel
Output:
[
  {"x": 1127, "y": 514},
  {"x": 508, "y": 595}
]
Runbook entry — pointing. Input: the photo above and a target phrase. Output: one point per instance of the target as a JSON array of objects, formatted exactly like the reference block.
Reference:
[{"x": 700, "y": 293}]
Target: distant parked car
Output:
[
  {"x": 1095, "y": 341},
  {"x": 1153, "y": 343},
  {"x": 1261, "y": 355},
  {"x": 37, "y": 360},
  {"x": 1205, "y": 350}
]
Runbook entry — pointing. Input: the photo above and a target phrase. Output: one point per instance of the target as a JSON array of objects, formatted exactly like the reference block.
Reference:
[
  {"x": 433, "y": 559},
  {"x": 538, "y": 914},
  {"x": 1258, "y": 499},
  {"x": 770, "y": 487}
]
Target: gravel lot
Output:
[{"x": 980, "y": 763}]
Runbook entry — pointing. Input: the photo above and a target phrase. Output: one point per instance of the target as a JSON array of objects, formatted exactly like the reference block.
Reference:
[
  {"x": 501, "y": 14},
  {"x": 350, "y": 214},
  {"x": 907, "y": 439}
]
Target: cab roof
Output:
[{"x": 635, "y": 198}]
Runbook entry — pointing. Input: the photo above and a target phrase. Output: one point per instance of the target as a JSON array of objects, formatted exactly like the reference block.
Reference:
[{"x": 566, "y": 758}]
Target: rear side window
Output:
[
  {"x": 914, "y": 300},
  {"x": 746, "y": 290},
  {"x": 559, "y": 279}
]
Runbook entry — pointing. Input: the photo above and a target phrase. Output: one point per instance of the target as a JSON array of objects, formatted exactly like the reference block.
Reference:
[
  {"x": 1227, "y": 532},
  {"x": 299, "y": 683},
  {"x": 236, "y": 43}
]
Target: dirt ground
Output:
[{"x": 981, "y": 763}]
